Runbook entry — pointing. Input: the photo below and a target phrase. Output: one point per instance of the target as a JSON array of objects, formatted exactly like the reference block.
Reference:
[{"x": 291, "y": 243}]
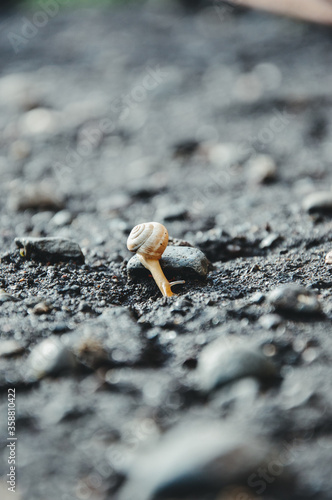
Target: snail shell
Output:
[{"x": 148, "y": 239}]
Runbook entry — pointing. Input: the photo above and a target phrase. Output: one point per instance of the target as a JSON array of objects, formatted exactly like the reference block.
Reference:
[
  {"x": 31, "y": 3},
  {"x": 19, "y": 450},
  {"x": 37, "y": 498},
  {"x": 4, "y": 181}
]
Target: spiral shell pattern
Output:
[{"x": 148, "y": 239}]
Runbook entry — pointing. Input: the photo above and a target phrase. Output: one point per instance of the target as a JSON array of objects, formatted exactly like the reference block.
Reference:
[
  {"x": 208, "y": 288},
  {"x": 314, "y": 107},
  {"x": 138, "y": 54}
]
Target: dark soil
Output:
[{"x": 134, "y": 115}]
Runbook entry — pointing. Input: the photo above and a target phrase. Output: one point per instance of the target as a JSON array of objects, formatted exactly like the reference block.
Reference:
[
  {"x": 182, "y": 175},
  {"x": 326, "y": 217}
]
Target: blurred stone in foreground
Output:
[
  {"x": 202, "y": 457},
  {"x": 224, "y": 361}
]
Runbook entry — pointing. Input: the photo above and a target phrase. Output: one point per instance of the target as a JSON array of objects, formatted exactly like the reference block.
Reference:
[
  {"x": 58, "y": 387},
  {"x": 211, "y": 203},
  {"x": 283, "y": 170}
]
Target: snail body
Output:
[{"x": 149, "y": 240}]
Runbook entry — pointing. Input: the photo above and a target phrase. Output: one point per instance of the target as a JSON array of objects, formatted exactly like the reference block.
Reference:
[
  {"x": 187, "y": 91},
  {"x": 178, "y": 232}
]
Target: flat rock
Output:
[
  {"x": 201, "y": 456},
  {"x": 183, "y": 261},
  {"x": 224, "y": 361},
  {"x": 319, "y": 202},
  {"x": 294, "y": 299},
  {"x": 62, "y": 218},
  {"x": 50, "y": 249},
  {"x": 270, "y": 240}
]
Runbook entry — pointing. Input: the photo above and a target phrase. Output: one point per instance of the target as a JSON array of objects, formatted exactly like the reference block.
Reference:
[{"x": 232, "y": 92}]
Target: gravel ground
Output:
[{"x": 216, "y": 124}]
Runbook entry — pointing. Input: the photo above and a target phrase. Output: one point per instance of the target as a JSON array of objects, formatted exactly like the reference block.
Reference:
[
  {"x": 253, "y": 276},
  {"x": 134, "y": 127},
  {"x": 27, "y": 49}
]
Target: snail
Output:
[{"x": 149, "y": 241}]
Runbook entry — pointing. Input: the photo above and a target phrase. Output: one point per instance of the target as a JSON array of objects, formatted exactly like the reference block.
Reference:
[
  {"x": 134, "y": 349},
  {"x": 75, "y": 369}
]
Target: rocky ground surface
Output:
[{"x": 218, "y": 125}]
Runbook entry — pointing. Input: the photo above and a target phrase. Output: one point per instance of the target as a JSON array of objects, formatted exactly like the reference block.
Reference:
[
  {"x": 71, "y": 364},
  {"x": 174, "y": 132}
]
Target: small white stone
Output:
[
  {"x": 40, "y": 121},
  {"x": 49, "y": 358},
  {"x": 262, "y": 168},
  {"x": 328, "y": 257}
]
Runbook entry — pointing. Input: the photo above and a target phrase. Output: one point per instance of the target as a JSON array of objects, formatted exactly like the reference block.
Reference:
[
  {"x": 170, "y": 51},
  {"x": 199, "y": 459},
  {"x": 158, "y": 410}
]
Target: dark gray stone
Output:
[
  {"x": 172, "y": 212},
  {"x": 294, "y": 299},
  {"x": 196, "y": 456},
  {"x": 262, "y": 169},
  {"x": 224, "y": 361},
  {"x": 320, "y": 202},
  {"x": 10, "y": 348},
  {"x": 270, "y": 240},
  {"x": 50, "y": 249},
  {"x": 270, "y": 321},
  {"x": 62, "y": 218},
  {"x": 176, "y": 259}
]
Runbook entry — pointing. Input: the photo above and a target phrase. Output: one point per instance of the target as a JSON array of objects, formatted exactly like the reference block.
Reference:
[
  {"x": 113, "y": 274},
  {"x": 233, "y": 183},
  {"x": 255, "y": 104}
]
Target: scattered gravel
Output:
[{"x": 320, "y": 202}]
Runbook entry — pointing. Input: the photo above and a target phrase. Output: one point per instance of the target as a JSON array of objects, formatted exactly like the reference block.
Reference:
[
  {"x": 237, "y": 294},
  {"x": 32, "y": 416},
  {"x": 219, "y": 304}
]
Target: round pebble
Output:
[
  {"x": 328, "y": 258},
  {"x": 295, "y": 299},
  {"x": 262, "y": 169},
  {"x": 319, "y": 202},
  {"x": 222, "y": 362}
]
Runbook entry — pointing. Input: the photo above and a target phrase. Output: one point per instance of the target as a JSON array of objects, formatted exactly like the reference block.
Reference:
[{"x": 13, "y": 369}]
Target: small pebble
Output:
[
  {"x": 176, "y": 259},
  {"x": 270, "y": 321},
  {"x": 269, "y": 350},
  {"x": 41, "y": 308},
  {"x": 224, "y": 154},
  {"x": 10, "y": 348},
  {"x": 309, "y": 355},
  {"x": 62, "y": 218},
  {"x": 35, "y": 197},
  {"x": 49, "y": 249},
  {"x": 223, "y": 361},
  {"x": 262, "y": 169},
  {"x": 328, "y": 258},
  {"x": 295, "y": 299},
  {"x": 59, "y": 328},
  {"x": 257, "y": 298},
  {"x": 319, "y": 202},
  {"x": 197, "y": 455},
  {"x": 270, "y": 240},
  {"x": 294, "y": 392},
  {"x": 50, "y": 357}
]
